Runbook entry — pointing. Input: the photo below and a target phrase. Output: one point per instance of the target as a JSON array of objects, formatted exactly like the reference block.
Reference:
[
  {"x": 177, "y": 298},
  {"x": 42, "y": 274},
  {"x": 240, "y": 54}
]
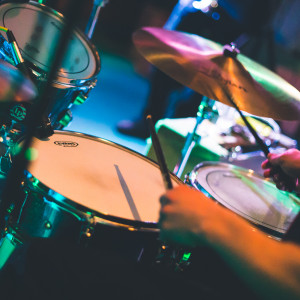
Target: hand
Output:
[
  {"x": 185, "y": 216},
  {"x": 288, "y": 162}
]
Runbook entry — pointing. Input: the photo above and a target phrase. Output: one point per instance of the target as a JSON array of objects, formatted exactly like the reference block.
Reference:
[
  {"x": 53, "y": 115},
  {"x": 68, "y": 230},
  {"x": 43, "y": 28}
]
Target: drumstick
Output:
[
  {"x": 159, "y": 155},
  {"x": 265, "y": 149}
]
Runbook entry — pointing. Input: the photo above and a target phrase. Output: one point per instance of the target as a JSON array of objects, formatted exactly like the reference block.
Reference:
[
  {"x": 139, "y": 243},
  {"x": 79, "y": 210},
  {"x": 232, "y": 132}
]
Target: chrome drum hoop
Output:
[
  {"x": 78, "y": 207},
  {"x": 247, "y": 194},
  {"x": 41, "y": 69}
]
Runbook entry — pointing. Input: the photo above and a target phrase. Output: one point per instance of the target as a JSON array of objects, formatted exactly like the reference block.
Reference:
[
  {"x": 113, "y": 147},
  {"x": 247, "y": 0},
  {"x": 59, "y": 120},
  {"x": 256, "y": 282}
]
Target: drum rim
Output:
[
  {"x": 278, "y": 233},
  {"x": 81, "y": 209},
  {"x": 61, "y": 79}
]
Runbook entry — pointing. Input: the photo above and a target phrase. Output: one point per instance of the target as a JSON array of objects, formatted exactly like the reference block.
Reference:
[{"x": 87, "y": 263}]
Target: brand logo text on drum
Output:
[{"x": 66, "y": 144}]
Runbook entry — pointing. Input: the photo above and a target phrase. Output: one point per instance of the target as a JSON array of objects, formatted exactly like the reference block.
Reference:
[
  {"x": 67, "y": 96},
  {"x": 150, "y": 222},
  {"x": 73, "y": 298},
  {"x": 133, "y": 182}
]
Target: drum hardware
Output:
[
  {"x": 97, "y": 5},
  {"x": 79, "y": 69},
  {"x": 181, "y": 8},
  {"x": 5, "y": 51},
  {"x": 18, "y": 59},
  {"x": 90, "y": 207},
  {"x": 206, "y": 110},
  {"x": 172, "y": 258},
  {"x": 45, "y": 129},
  {"x": 10, "y": 132},
  {"x": 12, "y": 192},
  {"x": 64, "y": 119},
  {"x": 8, "y": 244}
]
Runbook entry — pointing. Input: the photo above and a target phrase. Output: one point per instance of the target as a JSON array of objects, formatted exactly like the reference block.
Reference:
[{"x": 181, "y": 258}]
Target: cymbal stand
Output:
[
  {"x": 7, "y": 134},
  {"x": 206, "y": 110},
  {"x": 180, "y": 9},
  {"x": 98, "y": 4},
  {"x": 231, "y": 50}
]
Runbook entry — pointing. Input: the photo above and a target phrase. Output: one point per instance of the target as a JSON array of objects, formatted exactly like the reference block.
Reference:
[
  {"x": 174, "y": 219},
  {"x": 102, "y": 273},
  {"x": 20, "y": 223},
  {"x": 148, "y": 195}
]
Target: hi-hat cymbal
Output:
[
  {"x": 14, "y": 87},
  {"x": 201, "y": 65}
]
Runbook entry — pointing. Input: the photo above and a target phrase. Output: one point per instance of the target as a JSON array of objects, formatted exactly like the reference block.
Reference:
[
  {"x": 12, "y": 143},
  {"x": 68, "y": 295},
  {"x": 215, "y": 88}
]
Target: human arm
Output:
[{"x": 269, "y": 267}]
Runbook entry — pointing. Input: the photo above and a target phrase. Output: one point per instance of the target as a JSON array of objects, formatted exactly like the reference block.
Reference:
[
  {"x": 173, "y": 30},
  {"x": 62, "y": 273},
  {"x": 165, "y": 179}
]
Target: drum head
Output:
[
  {"x": 37, "y": 30},
  {"x": 99, "y": 175},
  {"x": 247, "y": 194}
]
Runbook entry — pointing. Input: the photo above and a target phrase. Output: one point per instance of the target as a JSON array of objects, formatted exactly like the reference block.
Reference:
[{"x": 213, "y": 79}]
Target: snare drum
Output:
[
  {"x": 83, "y": 188},
  {"x": 248, "y": 195},
  {"x": 37, "y": 29}
]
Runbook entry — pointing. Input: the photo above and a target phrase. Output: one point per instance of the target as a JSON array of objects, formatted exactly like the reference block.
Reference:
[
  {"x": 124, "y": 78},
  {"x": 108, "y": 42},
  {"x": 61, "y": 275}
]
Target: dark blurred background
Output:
[
  {"x": 267, "y": 29},
  {"x": 271, "y": 26}
]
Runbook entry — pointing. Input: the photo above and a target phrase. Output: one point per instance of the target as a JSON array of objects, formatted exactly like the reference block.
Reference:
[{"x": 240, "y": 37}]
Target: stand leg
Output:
[
  {"x": 206, "y": 111},
  {"x": 8, "y": 244},
  {"x": 98, "y": 4}
]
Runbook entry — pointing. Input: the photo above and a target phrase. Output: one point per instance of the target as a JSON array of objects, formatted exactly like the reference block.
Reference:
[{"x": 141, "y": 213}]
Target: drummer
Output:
[{"x": 270, "y": 268}]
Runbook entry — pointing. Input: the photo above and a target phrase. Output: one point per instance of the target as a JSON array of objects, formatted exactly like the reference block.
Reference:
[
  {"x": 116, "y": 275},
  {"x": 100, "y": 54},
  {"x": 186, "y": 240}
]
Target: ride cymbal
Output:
[{"x": 201, "y": 65}]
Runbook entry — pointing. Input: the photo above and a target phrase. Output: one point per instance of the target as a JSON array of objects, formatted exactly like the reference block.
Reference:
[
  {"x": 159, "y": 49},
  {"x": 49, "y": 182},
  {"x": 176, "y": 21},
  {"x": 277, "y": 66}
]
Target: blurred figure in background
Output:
[{"x": 224, "y": 21}]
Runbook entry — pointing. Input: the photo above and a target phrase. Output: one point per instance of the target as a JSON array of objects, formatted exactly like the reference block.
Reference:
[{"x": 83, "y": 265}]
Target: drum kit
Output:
[{"x": 88, "y": 190}]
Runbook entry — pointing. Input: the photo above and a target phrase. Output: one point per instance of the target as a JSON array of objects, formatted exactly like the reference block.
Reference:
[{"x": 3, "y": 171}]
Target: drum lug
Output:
[
  {"x": 88, "y": 229},
  {"x": 187, "y": 179},
  {"x": 80, "y": 99},
  {"x": 184, "y": 261},
  {"x": 88, "y": 232},
  {"x": 176, "y": 259},
  {"x": 8, "y": 244},
  {"x": 64, "y": 119}
]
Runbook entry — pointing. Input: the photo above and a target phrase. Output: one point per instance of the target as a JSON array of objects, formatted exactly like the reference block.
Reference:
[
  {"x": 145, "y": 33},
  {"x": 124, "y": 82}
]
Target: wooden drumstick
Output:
[
  {"x": 159, "y": 155},
  {"x": 265, "y": 149}
]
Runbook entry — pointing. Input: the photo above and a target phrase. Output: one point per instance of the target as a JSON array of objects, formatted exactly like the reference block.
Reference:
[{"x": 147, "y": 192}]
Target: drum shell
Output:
[
  {"x": 41, "y": 216},
  {"x": 62, "y": 98},
  {"x": 46, "y": 213},
  {"x": 32, "y": 34}
]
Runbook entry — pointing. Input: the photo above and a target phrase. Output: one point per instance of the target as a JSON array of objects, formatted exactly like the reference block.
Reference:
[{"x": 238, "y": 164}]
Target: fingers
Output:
[
  {"x": 282, "y": 183},
  {"x": 274, "y": 159},
  {"x": 269, "y": 165},
  {"x": 266, "y": 164},
  {"x": 164, "y": 200}
]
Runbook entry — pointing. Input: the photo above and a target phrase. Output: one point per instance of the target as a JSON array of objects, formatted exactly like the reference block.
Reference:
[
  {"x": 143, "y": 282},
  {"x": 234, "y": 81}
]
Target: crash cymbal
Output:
[
  {"x": 201, "y": 65},
  {"x": 14, "y": 86}
]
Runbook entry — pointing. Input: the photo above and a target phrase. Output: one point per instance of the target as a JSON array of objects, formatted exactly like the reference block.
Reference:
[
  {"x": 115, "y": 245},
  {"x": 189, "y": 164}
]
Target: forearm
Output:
[{"x": 270, "y": 267}]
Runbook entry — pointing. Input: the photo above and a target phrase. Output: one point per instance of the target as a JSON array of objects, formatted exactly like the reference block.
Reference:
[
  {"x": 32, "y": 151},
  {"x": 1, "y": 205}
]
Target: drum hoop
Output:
[
  {"x": 81, "y": 209},
  {"x": 274, "y": 232},
  {"x": 61, "y": 79}
]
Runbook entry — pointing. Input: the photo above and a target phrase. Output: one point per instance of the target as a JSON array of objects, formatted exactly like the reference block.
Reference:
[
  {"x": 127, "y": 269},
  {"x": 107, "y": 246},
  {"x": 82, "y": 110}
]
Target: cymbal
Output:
[
  {"x": 14, "y": 86},
  {"x": 201, "y": 65}
]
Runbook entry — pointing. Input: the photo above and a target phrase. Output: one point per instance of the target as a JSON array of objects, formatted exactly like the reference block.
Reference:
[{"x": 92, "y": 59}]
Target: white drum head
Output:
[
  {"x": 37, "y": 30},
  {"x": 99, "y": 175},
  {"x": 247, "y": 194}
]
